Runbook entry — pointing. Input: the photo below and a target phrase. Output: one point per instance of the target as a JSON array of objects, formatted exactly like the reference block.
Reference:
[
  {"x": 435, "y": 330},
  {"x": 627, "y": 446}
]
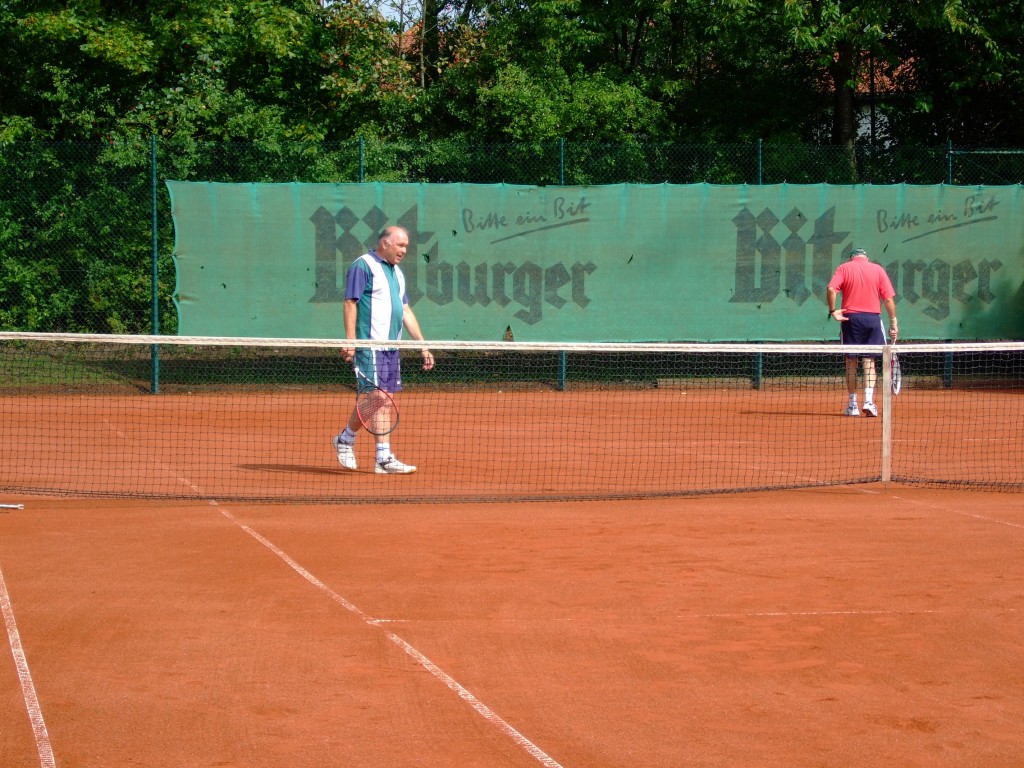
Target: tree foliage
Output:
[
  {"x": 249, "y": 90},
  {"x": 671, "y": 70},
  {"x": 217, "y": 69}
]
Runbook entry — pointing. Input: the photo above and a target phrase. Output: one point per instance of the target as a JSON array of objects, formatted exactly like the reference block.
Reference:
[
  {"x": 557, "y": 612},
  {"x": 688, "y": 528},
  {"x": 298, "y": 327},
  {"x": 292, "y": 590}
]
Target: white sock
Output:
[
  {"x": 853, "y": 399},
  {"x": 383, "y": 451},
  {"x": 347, "y": 436},
  {"x": 869, "y": 394}
]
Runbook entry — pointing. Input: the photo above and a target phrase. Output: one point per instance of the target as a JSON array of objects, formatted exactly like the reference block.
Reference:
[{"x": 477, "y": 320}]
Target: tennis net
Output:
[{"x": 253, "y": 419}]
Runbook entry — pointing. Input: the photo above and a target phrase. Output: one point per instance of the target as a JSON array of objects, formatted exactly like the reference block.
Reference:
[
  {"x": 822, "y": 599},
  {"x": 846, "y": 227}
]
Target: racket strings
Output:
[{"x": 377, "y": 411}]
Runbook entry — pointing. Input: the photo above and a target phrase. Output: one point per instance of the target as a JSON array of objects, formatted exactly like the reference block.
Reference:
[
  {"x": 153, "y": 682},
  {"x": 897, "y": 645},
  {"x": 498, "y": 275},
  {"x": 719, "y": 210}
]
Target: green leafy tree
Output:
[
  {"x": 219, "y": 69},
  {"x": 962, "y": 78},
  {"x": 528, "y": 73},
  {"x": 200, "y": 76},
  {"x": 847, "y": 38}
]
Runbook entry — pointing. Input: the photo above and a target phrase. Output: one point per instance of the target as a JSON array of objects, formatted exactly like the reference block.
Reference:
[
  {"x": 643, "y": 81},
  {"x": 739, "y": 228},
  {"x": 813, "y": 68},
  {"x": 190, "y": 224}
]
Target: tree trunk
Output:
[
  {"x": 430, "y": 42},
  {"x": 844, "y": 126}
]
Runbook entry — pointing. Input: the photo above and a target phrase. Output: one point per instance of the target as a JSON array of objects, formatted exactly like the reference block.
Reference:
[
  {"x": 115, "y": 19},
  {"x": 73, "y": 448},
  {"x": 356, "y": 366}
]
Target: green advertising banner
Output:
[{"x": 609, "y": 263}]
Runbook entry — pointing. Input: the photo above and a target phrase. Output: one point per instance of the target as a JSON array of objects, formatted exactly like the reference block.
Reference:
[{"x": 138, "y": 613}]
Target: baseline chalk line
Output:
[{"x": 28, "y": 689}]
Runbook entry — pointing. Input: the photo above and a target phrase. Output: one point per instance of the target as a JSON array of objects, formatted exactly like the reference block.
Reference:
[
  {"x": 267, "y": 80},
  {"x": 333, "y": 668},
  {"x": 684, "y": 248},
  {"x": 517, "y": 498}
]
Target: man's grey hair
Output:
[{"x": 389, "y": 231}]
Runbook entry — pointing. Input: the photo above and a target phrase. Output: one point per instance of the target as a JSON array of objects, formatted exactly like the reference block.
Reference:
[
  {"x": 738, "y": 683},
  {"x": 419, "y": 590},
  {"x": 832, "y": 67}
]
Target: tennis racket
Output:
[
  {"x": 376, "y": 408},
  {"x": 897, "y": 372}
]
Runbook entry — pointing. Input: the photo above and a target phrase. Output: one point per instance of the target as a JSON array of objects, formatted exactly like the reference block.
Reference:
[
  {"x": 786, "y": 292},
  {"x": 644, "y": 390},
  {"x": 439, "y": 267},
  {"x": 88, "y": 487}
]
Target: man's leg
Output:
[
  {"x": 869, "y": 376},
  {"x": 851, "y": 387},
  {"x": 387, "y": 464},
  {"x": 851, "y": 375},
  {"x": 869, "y": 387},
  {"x": 344, "y": 442}
]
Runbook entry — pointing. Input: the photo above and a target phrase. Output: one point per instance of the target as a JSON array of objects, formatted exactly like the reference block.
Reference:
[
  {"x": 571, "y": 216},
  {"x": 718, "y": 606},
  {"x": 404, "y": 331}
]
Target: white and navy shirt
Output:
[{"x": 379, "y": 289}]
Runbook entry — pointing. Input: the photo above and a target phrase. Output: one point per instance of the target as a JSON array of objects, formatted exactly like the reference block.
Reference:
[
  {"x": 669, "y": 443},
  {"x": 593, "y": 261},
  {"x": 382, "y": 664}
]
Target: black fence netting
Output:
[{"x": 86, "y": 237}]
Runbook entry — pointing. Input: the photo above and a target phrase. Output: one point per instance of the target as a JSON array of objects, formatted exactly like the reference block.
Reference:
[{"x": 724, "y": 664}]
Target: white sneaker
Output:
[
  {"x": 870, "y": 409},
  {"x": 346, "y": 456},
  {"x": 852, "y": 410},
  {"x": 392, "y": 466}
]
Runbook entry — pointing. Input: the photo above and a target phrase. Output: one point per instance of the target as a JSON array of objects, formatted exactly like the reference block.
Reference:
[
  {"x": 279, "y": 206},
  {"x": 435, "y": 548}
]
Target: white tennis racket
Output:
[{"x": 897, "y": 371}]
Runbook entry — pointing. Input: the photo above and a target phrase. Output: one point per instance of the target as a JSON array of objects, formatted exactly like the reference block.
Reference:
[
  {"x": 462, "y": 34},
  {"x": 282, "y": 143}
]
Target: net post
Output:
[
  {"x": 562, "y": 366},
  {"x": 887, "y": 420}
]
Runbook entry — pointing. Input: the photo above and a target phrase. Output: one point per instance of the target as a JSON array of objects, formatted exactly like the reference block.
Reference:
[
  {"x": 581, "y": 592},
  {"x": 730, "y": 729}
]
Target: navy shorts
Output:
[
  {"x": 381, "y": 366},
  {"x": 862, "y": 328}
]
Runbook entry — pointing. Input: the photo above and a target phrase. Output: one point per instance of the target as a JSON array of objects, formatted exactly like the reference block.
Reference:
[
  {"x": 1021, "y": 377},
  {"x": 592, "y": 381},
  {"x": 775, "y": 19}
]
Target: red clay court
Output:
[
  {"x": 843, "y": 626},
  {"x": 846, "y": 624}
]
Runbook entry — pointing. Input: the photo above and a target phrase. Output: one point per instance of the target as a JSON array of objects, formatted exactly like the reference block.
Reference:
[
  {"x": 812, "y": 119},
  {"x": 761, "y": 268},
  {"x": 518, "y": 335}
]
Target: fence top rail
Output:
[{"x": 511, "y": 346}]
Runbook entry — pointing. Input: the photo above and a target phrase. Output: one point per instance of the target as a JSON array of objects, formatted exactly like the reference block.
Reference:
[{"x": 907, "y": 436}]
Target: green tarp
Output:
[{"x": 609, "y": 263}]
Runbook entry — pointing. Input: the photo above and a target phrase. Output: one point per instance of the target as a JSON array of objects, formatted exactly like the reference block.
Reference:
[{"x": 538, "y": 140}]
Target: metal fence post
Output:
[
  {"x": 561, "y": 162},
  {"x": 562, "y": 356},
  {"x": 758, "y": 381},
  {"x": 759, "y": 357},
  {"x": 154, "y": 258}
]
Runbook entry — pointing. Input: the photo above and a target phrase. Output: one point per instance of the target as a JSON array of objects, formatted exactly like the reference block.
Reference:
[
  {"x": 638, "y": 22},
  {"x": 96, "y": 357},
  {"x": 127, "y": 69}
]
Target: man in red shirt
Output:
[{"x": 864, "y": 286}]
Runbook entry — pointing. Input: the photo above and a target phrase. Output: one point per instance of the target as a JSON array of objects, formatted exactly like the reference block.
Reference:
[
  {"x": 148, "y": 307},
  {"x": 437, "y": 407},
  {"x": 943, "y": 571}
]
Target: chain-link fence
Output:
[{"x": 86, "y": 234}]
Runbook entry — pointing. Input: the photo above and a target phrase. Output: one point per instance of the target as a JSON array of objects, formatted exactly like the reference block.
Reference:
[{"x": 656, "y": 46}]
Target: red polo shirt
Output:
[{"x": 863, "y": 285}]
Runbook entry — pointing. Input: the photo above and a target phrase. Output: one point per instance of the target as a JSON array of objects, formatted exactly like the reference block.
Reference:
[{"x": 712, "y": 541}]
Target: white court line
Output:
[
  {"x": 936, "y": 507},
  {"x": 971, "y": 515},
  {"x": 28, "y": 689},
  {"x": 486, "y": 712},
  {"x": 989, "y": 519},
  {"x": 787, "y": 614}
]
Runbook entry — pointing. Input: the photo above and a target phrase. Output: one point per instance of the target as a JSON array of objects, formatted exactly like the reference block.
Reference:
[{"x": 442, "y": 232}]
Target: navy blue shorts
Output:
[
  {"x": 381, "y": 366},
  {"x": 862, "y": 328}
]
